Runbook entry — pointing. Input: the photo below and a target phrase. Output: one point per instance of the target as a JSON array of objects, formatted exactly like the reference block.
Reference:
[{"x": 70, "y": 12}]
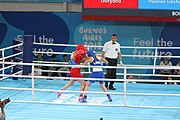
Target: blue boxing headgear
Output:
[{"x": 91, "y": 53}]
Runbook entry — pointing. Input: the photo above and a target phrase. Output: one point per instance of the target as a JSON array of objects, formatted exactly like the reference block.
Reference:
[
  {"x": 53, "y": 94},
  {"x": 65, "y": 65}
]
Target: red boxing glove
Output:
[
  {"x": 83, "y": 56},
  {"x": 81, "y": 52}
]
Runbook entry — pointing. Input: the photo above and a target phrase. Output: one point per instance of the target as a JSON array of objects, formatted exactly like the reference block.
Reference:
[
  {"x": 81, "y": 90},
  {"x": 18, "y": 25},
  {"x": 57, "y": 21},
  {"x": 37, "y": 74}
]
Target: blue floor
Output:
[{"x": 36, "y": 111}]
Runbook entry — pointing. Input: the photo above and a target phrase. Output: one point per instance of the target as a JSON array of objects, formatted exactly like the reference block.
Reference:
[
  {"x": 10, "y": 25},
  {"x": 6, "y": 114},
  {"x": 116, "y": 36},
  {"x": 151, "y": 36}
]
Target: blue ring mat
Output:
[{"x": 36, "y": 111}]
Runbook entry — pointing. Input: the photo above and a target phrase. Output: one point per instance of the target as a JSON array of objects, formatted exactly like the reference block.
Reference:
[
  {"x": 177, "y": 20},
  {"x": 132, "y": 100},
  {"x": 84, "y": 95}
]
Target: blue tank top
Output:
[{"x": 96, "y": 62}]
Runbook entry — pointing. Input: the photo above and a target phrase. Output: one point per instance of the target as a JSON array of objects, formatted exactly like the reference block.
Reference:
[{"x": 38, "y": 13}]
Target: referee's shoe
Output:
[{"x": 112, "y": 88}]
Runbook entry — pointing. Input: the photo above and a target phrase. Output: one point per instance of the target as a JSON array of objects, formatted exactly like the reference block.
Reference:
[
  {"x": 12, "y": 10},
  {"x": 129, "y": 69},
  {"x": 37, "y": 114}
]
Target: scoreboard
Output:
[{"x": 132, "y": 10}]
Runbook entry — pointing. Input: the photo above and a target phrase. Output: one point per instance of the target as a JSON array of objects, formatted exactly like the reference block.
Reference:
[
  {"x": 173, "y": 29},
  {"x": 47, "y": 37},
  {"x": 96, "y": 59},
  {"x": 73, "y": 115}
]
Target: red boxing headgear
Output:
[{"x": 79, "y": 47}]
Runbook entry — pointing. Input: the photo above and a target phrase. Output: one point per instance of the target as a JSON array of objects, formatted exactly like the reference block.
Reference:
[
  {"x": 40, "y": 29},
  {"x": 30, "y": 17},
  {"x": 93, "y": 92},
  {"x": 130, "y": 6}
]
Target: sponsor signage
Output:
[{"x": 132, "y": 10}]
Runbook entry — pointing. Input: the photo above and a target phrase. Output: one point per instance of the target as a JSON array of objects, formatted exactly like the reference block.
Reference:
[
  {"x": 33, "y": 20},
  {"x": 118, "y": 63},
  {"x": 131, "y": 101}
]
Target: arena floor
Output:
[{"x": 37, "y": 111}]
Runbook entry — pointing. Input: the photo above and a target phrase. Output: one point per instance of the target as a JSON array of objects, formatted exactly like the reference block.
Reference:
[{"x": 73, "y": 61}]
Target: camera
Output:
[{"x": 5, "y": 101}]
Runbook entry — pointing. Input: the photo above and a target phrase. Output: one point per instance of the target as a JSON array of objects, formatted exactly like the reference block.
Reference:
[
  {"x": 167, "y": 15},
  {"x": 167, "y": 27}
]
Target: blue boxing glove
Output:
[
  {"x": 104, "y": 64},
  {"x": 68, "y": 75},
  {"x": 72, "y": 62}
]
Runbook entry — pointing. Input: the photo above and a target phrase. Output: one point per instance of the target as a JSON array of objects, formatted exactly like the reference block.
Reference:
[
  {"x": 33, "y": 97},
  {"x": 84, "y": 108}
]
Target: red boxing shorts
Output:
[{"x": 75, "y": 72}]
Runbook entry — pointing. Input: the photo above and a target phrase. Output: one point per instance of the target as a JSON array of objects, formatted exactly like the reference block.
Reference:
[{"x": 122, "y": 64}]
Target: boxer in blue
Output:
[{"x": 95, "y": 60}]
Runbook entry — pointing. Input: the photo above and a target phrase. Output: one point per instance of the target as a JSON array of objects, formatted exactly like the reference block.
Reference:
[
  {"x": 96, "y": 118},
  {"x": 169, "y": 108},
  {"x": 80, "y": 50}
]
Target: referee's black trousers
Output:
[{"x": 110, "y": 72}]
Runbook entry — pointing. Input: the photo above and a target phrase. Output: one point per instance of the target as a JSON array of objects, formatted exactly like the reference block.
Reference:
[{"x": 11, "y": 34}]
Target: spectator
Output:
[
  {"x": 53, "y": 68},
  {"x": 38, "y": 71},
  {"x": 129, "y": 79},
  {"x": 177, "y": 71},
  {"x": 166, "y": 62},
  {"x": 170, "y": 83},
  {"x": 65, "y": 59},
  {"x": 40, "y": 58},
  {"x": 8, "y": 70}
]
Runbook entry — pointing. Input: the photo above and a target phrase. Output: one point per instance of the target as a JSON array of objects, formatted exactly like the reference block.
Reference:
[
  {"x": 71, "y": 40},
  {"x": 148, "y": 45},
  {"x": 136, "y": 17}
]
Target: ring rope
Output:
[
  {"x": 70, "y": 78},
  {"x": 13, "y": 46},
  {"x": 83, "y": 66},
  {"x": 121, "y": 67},
  {"x": 10, "y": 56},
  {"x": 71, "y": 45},
  {"x": 91, "y": 92}
]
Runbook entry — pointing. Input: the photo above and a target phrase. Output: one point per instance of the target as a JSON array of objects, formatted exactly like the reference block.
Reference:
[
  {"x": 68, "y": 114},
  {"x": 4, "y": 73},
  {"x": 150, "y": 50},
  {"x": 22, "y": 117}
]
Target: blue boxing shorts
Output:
[{"x": 97, "y": 75}]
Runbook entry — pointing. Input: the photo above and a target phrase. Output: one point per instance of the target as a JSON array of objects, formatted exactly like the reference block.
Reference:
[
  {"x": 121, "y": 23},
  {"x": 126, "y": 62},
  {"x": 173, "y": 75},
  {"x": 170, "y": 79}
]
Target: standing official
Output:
[{"x": 111, "y": 51}]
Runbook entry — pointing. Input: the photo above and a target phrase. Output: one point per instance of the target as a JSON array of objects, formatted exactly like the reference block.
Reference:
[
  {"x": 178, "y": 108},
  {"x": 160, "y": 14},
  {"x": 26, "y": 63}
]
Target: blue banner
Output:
[
  {"x": 69, "y": 28},
  {"x": 41, "y": 0},
  {"x": 159, "y": 4}
]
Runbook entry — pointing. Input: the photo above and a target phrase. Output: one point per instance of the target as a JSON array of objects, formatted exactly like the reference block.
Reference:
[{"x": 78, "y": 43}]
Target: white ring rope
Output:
[
  {"x": 60, "y": 78},
  {"x": 7, "y": 67},
  {"x": 10, "y": 56},
  {"x": 81, "y": 66},
  {"x": 6, "y": 76},
  {"x": 123, "y": 67},
  {"x": 17, "y": 46},
  {"x": 61, "y": 64},
  {"x": 59, "y": 53},
  {"x": 13, "y": 46},
  {"x": 126, "y": 47},
  {"x": 68, "y": 45}
]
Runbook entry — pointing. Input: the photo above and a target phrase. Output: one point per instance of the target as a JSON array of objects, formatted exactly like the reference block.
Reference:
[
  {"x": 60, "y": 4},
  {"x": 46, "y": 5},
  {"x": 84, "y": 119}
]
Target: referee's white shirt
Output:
[{"x": 111, "y": 50}]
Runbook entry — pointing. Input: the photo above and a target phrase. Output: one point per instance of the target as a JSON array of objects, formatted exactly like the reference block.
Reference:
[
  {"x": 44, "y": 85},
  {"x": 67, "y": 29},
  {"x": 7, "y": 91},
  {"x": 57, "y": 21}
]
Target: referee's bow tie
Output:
[{"x": 113, "y": 43}]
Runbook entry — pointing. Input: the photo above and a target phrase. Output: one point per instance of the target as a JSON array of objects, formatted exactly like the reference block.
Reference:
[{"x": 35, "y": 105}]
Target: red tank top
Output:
[{"x": 78, "y": 60}]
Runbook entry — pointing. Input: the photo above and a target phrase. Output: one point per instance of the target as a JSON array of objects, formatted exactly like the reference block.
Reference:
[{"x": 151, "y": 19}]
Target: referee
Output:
[{"x": 111, "y": 51}]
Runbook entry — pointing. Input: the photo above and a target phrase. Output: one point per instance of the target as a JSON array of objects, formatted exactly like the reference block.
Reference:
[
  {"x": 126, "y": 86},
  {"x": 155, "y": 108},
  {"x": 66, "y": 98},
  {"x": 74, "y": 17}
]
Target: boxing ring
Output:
[{"x": 35, "y": 97}]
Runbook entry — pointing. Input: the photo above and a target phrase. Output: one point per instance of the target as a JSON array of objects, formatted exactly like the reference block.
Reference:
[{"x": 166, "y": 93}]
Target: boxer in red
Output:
[{"x": 76, "y": 57}]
